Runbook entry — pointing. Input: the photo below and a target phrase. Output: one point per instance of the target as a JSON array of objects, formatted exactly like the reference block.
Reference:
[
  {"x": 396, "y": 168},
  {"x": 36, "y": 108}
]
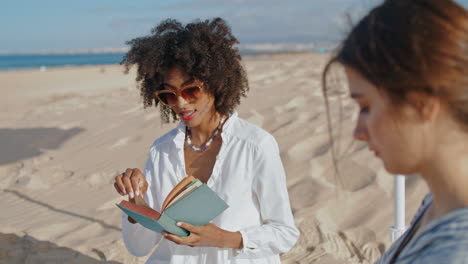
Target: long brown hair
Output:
[{"x": 404, "y": 46}]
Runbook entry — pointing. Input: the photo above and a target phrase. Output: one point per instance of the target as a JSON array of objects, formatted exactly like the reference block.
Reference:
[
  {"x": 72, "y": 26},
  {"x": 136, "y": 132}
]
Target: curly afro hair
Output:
[{"x": 203, "y": 49}]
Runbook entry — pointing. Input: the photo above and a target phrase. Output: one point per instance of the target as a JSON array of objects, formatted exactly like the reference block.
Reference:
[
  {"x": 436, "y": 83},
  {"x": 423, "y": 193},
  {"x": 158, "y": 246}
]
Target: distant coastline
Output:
[
  {"x": 43, "y": 62},
  {"x": 244, "y": 48},
  {"x": 56, "y": 59},
  {"x": 67, "y": 52}
]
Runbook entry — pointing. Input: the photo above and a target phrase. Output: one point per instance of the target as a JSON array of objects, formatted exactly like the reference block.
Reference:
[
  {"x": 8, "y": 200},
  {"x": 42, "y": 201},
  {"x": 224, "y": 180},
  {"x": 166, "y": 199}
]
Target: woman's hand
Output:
[
  {"x": 207, "y": 236},
  {"x": 132, "y": 183}
]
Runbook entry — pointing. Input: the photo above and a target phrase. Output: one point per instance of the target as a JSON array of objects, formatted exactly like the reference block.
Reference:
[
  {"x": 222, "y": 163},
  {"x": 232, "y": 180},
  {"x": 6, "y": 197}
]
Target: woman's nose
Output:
[{"x": 181, "y": 101}]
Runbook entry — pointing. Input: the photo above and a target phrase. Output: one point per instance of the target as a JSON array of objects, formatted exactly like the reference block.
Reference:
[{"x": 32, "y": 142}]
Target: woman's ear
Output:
[{"x": 428, "y": 106}]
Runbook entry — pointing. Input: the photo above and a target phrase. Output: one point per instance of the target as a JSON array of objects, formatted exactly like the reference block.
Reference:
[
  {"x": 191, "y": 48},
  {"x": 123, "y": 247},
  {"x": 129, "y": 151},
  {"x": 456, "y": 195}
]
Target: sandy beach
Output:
[{"x": 66, "y": 133}]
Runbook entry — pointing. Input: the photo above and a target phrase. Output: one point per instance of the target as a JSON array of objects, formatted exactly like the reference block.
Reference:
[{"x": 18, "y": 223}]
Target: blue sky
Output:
[{"x": 51, "y": 25}]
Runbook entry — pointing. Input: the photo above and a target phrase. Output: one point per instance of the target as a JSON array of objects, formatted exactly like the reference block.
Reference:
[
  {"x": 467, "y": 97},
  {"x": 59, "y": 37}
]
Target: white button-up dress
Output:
[{"x": 248, "y": 175}]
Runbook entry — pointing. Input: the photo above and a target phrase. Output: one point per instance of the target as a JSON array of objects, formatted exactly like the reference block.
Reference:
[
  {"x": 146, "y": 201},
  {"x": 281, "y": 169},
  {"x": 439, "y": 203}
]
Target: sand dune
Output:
[{"x": 66, "y": 133}]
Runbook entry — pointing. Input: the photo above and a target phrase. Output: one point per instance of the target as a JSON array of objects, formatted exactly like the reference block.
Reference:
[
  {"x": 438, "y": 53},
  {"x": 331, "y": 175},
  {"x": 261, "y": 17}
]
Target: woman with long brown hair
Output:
[{"x": 407, "y": 68}]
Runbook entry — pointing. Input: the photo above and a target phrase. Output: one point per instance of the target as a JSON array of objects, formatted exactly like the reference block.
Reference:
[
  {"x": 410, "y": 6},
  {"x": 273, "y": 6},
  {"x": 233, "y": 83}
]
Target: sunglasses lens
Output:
[
  {"x": 191, "y": 93},
  {"x": 168, "y": 98}
]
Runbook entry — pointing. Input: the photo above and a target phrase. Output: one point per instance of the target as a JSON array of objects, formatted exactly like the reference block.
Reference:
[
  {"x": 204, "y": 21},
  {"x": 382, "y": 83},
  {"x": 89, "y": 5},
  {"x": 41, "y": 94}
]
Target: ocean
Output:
[
  {"x": 38, "y": 61},
  {"x": 16, "y": 62}
]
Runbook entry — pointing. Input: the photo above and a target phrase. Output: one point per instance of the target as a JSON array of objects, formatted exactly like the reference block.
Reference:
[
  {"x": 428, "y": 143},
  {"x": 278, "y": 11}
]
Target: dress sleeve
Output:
[
  {"x": 138, "y": 239},
  {"x": 278, "y": 233}
]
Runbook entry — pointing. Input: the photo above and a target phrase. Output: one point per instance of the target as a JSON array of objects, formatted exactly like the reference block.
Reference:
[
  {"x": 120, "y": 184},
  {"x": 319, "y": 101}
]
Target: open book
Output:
[{"x": 190, "y": 201}]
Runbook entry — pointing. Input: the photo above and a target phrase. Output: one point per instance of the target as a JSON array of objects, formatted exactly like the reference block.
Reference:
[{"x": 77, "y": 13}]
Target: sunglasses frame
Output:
[{"x": 177, "y": 93}]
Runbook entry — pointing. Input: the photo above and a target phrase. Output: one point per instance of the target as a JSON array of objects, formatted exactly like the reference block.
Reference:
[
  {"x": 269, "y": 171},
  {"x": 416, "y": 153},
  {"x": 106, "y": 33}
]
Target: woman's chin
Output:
[
  {"x": 392, "y": 171},
  {"x": 398, "y": 170},
  {"x": 191, "y": 123},
  {"x": 391, "y": 167},
  {"x": 188, "y": 123}
]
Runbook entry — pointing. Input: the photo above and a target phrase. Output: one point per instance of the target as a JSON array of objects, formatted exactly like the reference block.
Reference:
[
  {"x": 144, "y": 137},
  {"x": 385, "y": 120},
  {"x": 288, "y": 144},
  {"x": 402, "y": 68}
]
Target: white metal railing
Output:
[{"x": 399, "y": 198}]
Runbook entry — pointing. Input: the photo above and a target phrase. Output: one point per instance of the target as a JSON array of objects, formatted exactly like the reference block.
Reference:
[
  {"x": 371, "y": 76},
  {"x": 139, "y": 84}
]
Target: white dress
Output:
[{"x": 248, "y": 175}]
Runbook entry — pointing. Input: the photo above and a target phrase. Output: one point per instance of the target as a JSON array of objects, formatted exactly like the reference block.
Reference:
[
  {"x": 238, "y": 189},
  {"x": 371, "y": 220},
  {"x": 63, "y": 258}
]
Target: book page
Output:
[
  {"x": 198, "y": 207},
  {"x": 189, "y": 189},
  {"x": 180, "y": 187}
]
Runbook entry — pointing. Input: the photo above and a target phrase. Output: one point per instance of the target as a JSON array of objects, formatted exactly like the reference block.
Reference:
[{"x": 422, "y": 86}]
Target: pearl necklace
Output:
[{"x": 207, "y": 144}]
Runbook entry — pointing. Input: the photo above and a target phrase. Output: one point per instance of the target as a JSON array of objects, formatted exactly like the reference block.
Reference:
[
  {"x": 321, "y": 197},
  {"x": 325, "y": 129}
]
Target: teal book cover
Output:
[{"x": 198, "y": 207}]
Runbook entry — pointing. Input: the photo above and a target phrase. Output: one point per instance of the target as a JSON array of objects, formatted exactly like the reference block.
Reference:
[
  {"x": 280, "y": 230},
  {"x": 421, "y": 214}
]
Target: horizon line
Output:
[{"x": 267, "y": 46}]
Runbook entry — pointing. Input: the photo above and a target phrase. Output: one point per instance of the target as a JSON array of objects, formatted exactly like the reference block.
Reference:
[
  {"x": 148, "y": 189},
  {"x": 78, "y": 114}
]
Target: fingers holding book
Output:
[
  {"x": 132, "y": 182},
  {"x": 208, "y": 235},
  {"x": 198, "y": 235}
]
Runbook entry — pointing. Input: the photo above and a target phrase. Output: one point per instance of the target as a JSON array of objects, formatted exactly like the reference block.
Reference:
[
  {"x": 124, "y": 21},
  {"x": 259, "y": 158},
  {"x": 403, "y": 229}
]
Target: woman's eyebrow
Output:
[
  {"x": 186, "y": 82},
  {"x": 189, "y": 81},
  {"x": 168, "y": 85}
]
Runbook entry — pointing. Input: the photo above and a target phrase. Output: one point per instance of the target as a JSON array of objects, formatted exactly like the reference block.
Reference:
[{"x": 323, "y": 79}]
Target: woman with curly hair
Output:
[
  {"x": 194, "y": 73},
  {"x": 407, "y": 68}
]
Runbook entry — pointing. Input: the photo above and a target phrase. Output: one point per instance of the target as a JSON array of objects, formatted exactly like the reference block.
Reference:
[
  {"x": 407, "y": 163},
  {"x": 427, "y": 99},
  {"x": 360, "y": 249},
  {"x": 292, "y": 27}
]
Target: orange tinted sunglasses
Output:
[{"x": 169, "y": 97}]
